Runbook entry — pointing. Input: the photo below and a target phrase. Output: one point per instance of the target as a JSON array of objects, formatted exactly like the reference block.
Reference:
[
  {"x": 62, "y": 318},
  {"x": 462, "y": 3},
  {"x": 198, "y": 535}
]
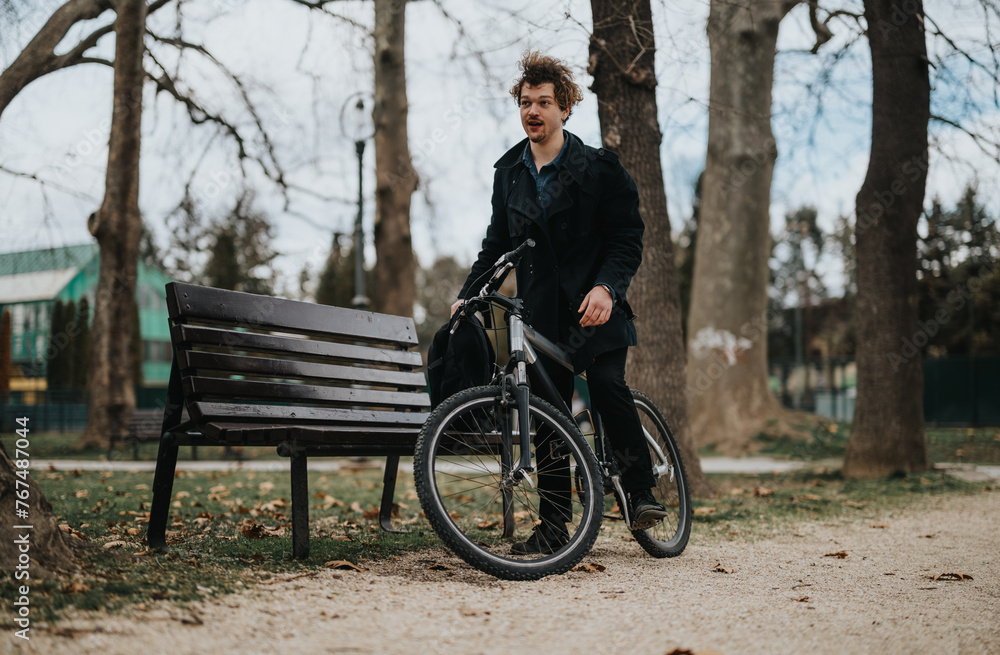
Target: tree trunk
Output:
[
  {"x": 727, "y": 381},
  {"x": 625, "y": 84},
  {"x": 117, "y": 226},
  {"x": 395, "y": 177},
  {"x": 888, "y": 433},
  {"x": 47, "y": 553}
]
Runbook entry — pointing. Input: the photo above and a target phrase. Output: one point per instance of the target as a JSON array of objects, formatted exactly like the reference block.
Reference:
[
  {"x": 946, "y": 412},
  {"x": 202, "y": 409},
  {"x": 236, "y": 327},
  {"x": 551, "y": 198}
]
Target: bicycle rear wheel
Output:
[
  {"x": 462, "y": 469},
  {"x": 668, "y": 538}
]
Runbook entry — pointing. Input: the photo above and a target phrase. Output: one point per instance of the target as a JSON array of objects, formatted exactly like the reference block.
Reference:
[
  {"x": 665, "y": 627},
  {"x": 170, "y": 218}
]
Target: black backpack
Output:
[{"x": 459, "y": 361}]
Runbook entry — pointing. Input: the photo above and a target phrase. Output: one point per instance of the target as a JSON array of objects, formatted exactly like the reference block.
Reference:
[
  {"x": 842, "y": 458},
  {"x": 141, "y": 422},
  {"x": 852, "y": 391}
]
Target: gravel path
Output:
[{"x": 782, "y": 595}]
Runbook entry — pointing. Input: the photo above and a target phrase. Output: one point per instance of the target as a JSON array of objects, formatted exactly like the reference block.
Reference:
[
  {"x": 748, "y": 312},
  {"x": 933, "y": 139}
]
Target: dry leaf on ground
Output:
[
  {"x": 437, "y": 566},
  {"x": 839, "y": 555},
  {"x": 803, "y": 599},
  {"x": 951, "y": 576},
  {"x": 590, "y": 567},
  {"x": 252, "y": 530},
  {"x": 719, "y": 568},
  {"x": 344, "y": 564},
  {"x": 762, "y": 491},
  {"x": 880, "y": 526},
  {"x": 704, "y": 511}
]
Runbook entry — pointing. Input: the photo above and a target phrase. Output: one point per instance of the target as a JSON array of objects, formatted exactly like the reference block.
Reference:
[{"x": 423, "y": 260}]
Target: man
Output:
[{"x": 582, "y": 208}]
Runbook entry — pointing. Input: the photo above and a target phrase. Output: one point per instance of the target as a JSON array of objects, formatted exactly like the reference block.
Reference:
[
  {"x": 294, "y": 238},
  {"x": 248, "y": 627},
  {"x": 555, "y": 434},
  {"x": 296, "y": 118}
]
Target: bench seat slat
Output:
[
  {"x": 200, "y": 386},
  {"x": 292, "y": 369},
  {"x": 249, "y": 310},
  {"x": 279, "y": 415},
  {"x": 254, "y": 341}
]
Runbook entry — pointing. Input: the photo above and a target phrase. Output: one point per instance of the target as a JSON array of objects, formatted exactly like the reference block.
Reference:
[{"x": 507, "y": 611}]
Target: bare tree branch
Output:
[{"x": 38, "y": 58}]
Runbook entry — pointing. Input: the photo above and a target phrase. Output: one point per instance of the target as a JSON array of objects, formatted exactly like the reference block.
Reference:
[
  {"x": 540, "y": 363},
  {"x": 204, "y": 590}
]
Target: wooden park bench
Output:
[{"x": 308, "y": 379}]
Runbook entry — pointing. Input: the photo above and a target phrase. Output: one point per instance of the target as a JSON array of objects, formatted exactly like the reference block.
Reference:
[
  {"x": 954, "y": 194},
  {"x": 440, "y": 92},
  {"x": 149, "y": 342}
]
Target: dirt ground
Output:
[{"x": 787, "y": 594}]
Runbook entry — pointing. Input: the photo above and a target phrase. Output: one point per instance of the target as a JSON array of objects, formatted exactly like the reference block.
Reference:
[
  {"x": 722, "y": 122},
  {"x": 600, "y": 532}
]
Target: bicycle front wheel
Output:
[
  {"x": 668, "y": 538},
  {"x": 463, "y": 468}
]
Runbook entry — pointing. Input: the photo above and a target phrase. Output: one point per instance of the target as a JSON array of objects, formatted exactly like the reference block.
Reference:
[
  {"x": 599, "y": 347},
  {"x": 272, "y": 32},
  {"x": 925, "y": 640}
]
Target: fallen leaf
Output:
[
  {"x": 182, "y": 494},
  {"x": 803, "y": 599},
  {"x": 719, "y": 568},
  {"x": 356, "y": 507},
  {"x": 439, "y": 567},
  {"x": 343, "y": 564},
  {"x": 252, "y": 530},
  {"x": 76, "y": 588},
  {"x": 851, "y": 503},
  {"x": 812, "y": 497},
  {"x": 371, "y": 513},
  {"x": 762, "y": 491},
  {"x": 839, "y": 555},
  {"x": 951, "y": 576},
  {"x": 116, "y": 544},
  {"x": 704, "y": 511},
  {"x": 736, "y": 492},
  {"x": 879, "y": 526},
  {"x": 82, "y": 493},
  {"x": 265, "y": 487},
  {"x": 340, "y": 537},
  {"x": 590, "y": 567}
]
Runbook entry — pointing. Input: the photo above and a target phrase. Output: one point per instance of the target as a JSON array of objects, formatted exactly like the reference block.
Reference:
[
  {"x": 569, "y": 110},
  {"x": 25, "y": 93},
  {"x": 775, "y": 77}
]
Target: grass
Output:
[{"x": 829, "y": 441}]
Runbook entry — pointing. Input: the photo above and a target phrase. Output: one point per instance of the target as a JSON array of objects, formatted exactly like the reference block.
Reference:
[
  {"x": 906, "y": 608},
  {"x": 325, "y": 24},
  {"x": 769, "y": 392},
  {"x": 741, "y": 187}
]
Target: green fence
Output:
[{"x": 962, "y": 391}]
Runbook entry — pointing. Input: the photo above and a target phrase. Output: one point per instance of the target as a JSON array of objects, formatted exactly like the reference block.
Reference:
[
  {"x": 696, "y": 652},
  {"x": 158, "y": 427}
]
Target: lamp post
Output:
[{"x": 358, "y": 127}]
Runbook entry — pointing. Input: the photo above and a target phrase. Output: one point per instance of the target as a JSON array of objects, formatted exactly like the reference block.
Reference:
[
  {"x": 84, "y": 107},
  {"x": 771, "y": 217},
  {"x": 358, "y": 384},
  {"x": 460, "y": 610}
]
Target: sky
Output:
[{"x": 301, "y": 68}]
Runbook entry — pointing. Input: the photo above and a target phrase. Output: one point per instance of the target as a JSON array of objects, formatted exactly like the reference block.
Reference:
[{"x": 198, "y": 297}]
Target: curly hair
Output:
[{"x": 537, "y": 68}]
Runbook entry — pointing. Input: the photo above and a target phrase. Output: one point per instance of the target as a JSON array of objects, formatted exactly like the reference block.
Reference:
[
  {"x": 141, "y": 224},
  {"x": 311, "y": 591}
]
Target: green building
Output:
[{"x": 30, "y": 284}]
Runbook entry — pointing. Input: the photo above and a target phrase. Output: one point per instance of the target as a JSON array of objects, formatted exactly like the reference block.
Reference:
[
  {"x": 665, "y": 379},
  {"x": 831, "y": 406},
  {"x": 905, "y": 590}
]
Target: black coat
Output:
[{"x": 593, "y": 235}]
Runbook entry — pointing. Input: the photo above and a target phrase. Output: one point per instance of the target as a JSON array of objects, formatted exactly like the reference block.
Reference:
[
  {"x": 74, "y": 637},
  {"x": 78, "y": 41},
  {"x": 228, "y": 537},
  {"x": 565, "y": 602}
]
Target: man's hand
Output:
[
  {"x": 454, "y": 308},
  {"x": 596, "y": 307}
]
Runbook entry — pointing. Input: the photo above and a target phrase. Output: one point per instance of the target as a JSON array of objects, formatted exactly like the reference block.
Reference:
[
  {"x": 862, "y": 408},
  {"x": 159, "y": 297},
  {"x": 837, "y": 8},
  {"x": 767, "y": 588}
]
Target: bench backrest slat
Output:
[
  {"x": 199, "y": 388},
  {"x": 292, "y": 369},
  {"x": 264, "y": 343},
  {"x": 252, "y": 311}
]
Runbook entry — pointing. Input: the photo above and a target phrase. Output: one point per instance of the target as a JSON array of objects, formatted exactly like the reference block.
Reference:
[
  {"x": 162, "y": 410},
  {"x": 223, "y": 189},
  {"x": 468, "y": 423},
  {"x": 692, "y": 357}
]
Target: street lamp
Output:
[{"x": 356, "y": 124}]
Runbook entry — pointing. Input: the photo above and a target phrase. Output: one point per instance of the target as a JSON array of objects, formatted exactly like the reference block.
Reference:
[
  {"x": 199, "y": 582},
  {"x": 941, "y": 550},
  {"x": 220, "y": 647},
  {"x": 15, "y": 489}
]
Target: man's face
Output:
[{"x": 541, "y": 116}]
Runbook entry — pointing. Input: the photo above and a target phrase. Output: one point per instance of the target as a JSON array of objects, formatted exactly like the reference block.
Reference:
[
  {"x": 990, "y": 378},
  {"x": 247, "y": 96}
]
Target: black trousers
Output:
[{"x": 611, "y": 398}]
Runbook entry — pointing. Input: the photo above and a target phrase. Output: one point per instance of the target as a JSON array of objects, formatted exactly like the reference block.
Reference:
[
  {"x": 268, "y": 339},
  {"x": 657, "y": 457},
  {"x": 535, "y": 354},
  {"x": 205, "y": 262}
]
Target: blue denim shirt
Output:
[{"x": 545, "y": 179}]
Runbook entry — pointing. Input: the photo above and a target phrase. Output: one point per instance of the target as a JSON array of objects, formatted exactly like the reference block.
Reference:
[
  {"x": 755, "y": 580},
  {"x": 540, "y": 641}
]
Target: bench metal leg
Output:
[
  {"x": 163, "y": 484},
  {"x": 300, "y": 503},
  {"x": 388, "y": 493}
]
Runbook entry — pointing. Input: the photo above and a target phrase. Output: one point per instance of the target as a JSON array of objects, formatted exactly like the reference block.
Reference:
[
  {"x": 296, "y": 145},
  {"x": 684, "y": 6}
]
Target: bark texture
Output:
[
  {"x": 622, "y": 53},
  {"x": 730, "y": 401},
  {"x": 117, "y": 226},
  {"x": 396, "y": 179},
  {"x": 48, "y": 554},
  {"x": 888, "y": 433}
]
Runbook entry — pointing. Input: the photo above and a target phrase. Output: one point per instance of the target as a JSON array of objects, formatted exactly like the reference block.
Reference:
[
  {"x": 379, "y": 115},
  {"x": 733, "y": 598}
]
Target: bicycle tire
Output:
[
  {"x": 670, "y": 537},
  {"x": 459, "y": 471}
]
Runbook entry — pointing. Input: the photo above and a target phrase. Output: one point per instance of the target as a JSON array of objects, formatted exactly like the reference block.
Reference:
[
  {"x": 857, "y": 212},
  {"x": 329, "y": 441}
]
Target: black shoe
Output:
[
  {"x": 646, "y": 511},
  {"x": 546, "y": 539}
]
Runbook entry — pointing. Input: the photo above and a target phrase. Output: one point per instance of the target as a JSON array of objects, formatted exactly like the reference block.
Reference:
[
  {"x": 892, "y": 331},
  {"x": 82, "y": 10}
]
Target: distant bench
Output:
[
  {"x": 308, "y": 379},
  {"x": 143, "y": 427}
]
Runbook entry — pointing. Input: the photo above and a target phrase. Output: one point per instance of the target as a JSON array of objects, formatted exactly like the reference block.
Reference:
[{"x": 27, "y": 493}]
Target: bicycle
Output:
[{"x": 474, "y": 462}]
